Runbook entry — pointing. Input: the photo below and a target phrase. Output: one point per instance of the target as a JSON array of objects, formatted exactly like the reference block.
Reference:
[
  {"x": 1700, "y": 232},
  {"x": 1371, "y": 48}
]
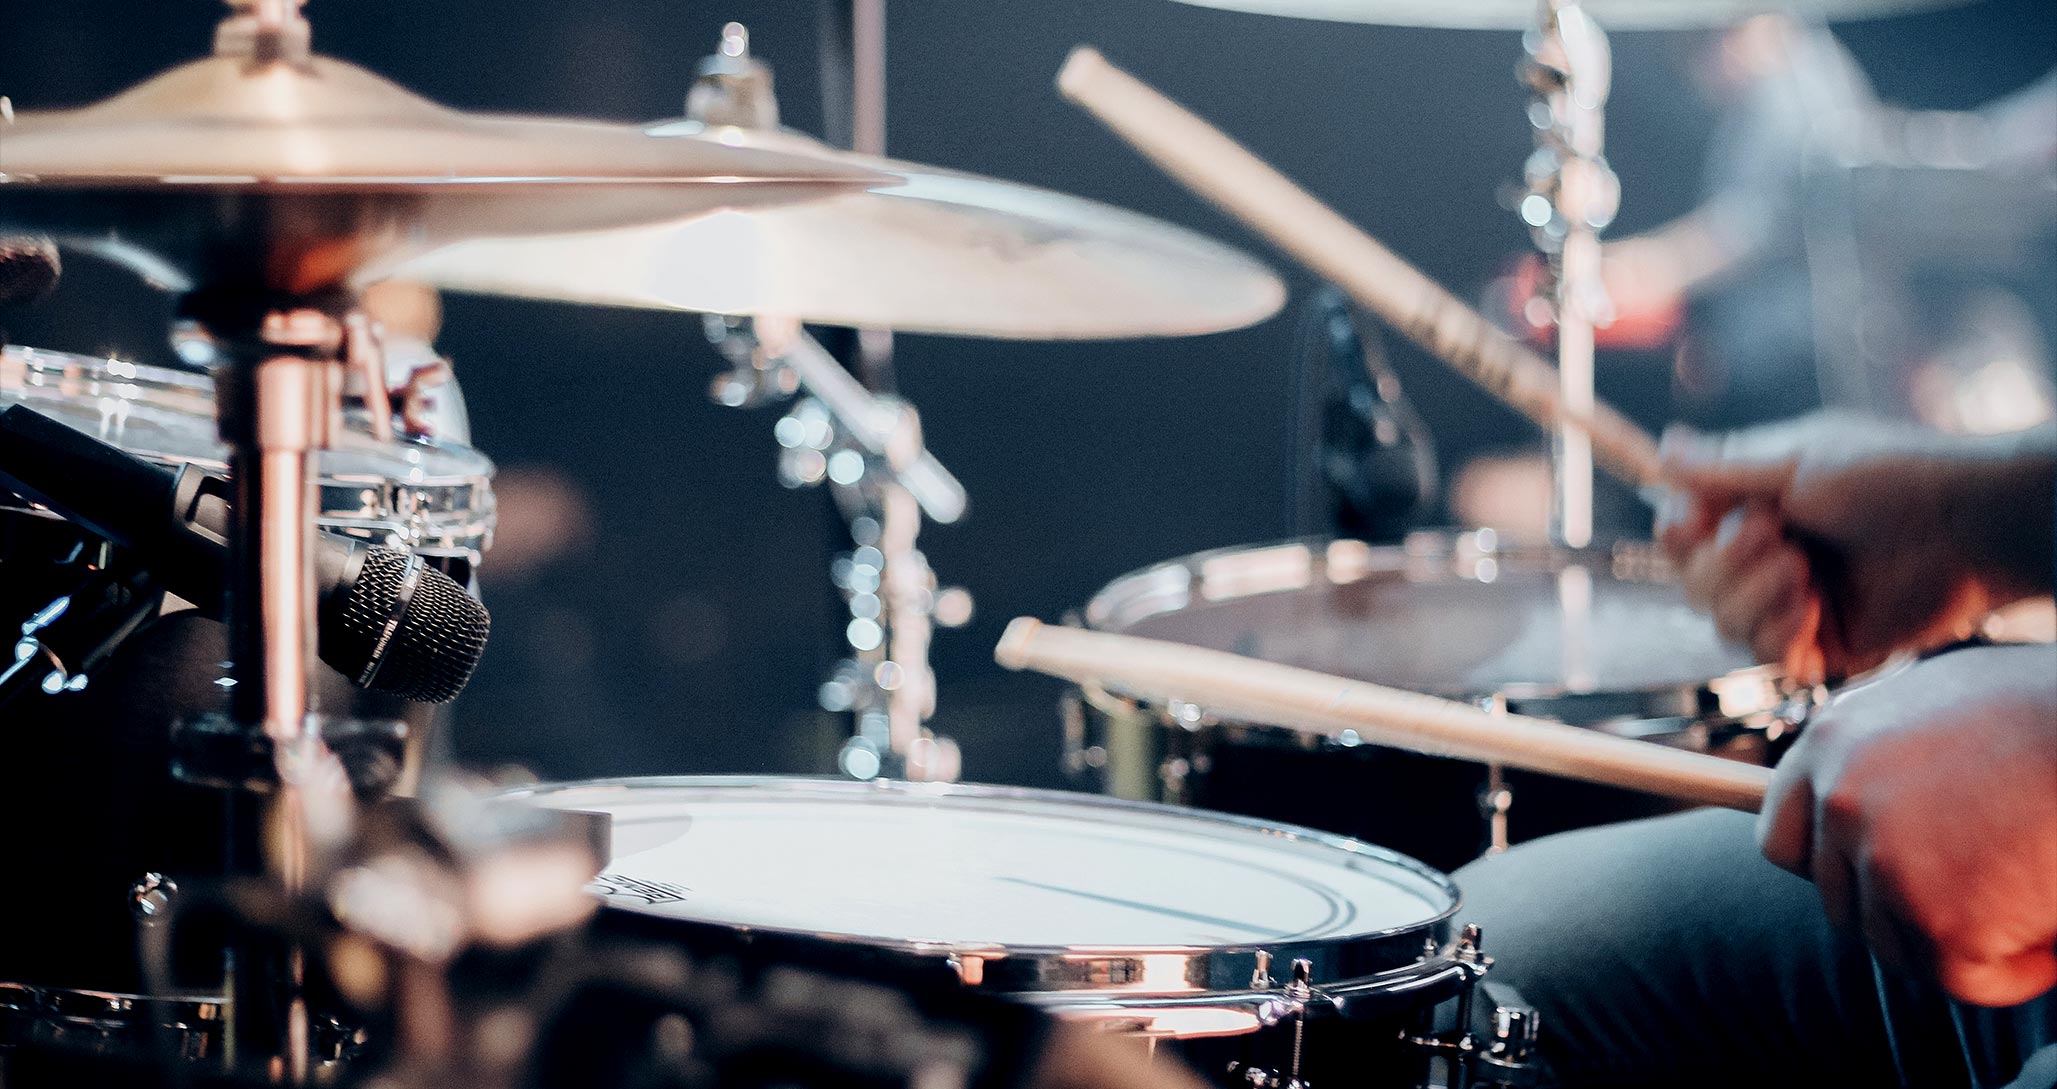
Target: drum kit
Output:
[{"x": 242, "y": 588}]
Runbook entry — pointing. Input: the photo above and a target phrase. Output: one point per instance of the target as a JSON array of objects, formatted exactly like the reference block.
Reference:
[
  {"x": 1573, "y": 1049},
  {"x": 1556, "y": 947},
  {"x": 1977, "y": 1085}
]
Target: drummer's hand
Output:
[
  {"x": 1855, "y": 537},
  {"x": 1924, "y": 806}
]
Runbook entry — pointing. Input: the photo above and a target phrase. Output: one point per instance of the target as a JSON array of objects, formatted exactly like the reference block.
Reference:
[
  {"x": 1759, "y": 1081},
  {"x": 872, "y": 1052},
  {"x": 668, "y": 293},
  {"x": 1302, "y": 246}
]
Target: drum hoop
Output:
[
  {"x": 184, "y": 1011},
  {"x": 450, "y": 510},
  {"x": 1085, "y": 971},
  {"x": 188, "y": 395}
]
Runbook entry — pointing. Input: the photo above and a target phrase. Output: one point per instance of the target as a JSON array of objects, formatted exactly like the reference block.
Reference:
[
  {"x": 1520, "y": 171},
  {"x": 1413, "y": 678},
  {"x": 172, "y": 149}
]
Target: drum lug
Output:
[
  {"x": 1503, "y": 1062},
  {"x": 970, "y": 968},
  {"x": 1507, "y": 1060},
  {"x": 1297, "y": 995},
  {"x": 1256, "y": 1077},
  {"x": 1260, "y": 976}
]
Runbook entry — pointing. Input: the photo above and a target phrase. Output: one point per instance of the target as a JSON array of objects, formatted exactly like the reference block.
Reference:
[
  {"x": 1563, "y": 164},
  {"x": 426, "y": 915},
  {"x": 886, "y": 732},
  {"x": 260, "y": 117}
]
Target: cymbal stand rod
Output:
[
  {"x": 868, "y": 448},
  {"x": 883, "y": 426},
  {"x": 1572, "y": 196},
  {"x": 279, "y": 386},
  {"x": 874, "y": 348}
]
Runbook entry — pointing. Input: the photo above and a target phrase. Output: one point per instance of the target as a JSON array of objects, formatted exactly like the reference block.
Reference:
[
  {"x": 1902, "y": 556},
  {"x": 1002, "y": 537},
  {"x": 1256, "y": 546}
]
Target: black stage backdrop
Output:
[{"x": 681, "y": 619}]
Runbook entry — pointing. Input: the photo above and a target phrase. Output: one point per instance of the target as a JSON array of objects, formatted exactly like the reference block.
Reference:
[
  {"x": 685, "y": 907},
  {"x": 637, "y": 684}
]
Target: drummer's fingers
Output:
[
  {"x": 1785, "y": 827},
  {"x": 1759, "y": 463},
  {"x": 1685, "y": 520},
  {"x": 1713, "y": 568},
  {"x": 1766, "y": 603}
]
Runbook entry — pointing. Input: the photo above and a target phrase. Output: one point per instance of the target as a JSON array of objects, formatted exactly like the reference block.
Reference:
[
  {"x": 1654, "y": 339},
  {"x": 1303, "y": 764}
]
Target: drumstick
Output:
[
  {"x": 1244, "y": 186},
  {"x": 1326, "y": 706}
]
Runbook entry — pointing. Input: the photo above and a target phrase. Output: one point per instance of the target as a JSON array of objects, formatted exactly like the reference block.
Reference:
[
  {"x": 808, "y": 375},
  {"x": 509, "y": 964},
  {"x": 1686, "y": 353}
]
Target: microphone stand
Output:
[{"x": 66, "y": 639}]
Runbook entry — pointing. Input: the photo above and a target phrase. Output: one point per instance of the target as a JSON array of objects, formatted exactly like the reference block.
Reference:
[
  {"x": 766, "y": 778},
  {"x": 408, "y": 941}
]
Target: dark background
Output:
[{"x": 686, "y": 627}]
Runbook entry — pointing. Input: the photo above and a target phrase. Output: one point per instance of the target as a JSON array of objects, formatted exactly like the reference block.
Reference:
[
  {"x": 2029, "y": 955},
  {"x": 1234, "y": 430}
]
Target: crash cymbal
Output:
[
  {"x": 945, "y": 253},
  {"x": 293, "y": 170},
  {"x": 1610, "y": 14}
]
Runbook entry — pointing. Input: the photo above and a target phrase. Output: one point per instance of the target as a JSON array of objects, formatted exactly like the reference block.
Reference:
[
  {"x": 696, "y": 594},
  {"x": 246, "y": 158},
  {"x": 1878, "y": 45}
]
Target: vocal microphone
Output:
[{"x": 384, "y": 619}]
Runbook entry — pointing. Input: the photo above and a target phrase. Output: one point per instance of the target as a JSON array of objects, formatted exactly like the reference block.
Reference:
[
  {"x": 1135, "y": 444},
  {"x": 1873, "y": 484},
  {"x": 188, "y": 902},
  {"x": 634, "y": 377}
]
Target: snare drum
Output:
[
  {"x": 1239, "y": 944},
  {"x": 1600, "y": 638}
]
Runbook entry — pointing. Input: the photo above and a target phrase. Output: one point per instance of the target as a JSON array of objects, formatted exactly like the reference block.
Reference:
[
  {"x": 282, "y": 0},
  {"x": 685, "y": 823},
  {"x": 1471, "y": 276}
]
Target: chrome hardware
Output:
[
  {"x": 1468, "y": 946},
  {"x": 364, "y": 357},
  {"x": 151, "y": 898},
  {"x": 264, "y": 30},
  {"x": 1515, "y": 1029},
  {"x": 1572, "y": 196},
  {"x": 1260, "y": 976},
  {"x": 1303, "y": 979},
  {"x": 1507, "y": 1061},
  {"x": 732, "y": 87},
  {"x": 1301, "y": 989},
  {"x": 867, "y": 447},
  {"x": 754, "y": 378},
  {"x": 1503, "y": 1062}
]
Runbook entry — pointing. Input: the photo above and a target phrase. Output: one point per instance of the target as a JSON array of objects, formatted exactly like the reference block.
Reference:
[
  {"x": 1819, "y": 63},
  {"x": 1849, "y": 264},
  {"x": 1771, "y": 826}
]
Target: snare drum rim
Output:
[
  {"x": 111, "y": 1008},
  {"x": 189, "y": 395},
  {"x": 1091, "y": 972}
]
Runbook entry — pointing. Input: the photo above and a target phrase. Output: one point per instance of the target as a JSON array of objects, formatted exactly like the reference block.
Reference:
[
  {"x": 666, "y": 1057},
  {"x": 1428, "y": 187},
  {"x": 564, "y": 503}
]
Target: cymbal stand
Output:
[
  {"x": 865, "y": 442},
  {"x": 1572, "y": 196},
  {"x": 276, "y": 360},
  {"x": 278, "y": 380},
  {"x": 868, "y": 448}
]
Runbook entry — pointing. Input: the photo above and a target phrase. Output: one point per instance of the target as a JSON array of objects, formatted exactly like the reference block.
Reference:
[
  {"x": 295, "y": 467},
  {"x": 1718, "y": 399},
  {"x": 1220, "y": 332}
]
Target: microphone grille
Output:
[{"x": 420, "y": 648}]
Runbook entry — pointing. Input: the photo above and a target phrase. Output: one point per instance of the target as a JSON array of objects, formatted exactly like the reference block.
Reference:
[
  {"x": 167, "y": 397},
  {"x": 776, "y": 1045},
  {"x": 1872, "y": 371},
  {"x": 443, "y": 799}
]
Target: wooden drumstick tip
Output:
[
  {"x": 1084, "y": 63},
  {"x": 1013, "y": 649}
]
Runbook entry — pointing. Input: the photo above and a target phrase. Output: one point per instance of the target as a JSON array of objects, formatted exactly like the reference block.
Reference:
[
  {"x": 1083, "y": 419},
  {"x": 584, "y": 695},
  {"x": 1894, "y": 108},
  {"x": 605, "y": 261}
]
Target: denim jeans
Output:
[{"x": 1668, "y": 952}]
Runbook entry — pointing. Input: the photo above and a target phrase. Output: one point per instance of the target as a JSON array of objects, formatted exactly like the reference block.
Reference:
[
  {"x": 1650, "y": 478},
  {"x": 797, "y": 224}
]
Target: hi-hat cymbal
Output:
[
  {"x": 945, "y": 253},
  {"x": 1610, "y": 14},
  {"x": 294, "y": 173}
]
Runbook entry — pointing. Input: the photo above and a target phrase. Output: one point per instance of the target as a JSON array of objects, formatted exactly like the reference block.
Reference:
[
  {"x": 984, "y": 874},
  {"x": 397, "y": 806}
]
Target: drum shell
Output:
[
  {"x": 1369, "y": 989},
  {"x": 1438, "y": 810},
  {"x": 88, "y": 778},
  {"x": 1434, "y": 809}
]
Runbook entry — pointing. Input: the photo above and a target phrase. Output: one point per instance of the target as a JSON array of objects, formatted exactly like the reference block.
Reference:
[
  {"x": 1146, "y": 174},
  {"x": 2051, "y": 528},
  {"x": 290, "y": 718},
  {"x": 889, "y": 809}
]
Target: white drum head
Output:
[{"x": 983, "y": 868}]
